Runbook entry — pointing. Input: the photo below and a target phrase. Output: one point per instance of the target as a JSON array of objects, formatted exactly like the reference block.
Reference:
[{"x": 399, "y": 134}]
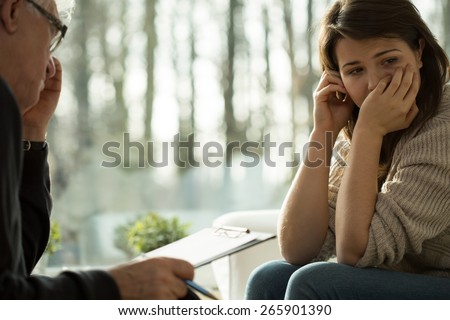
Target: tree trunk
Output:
[
  {"x": 81, "y": 77},
  {"x": 295, "y": 78},
  {"x": 446, "y": 22},
  {"x": 228, "y": 80},
  {"x": 115, "y": 64},
  {"x": 311, "y": 78},
  {"x": 268, "y": 114},
  {"x": 186, "y": 118},
  {"x": 150, "y": 30}
]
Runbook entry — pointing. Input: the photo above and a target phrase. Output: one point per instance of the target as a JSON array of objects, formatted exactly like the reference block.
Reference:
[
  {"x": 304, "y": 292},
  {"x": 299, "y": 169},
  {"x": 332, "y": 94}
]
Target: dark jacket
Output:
[{"x": 25, "y": 206}]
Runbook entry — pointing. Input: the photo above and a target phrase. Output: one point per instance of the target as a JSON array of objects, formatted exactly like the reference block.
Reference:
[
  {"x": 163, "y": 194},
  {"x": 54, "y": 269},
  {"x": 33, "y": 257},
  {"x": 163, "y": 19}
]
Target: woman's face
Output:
[{"x": 363, "y": 63}]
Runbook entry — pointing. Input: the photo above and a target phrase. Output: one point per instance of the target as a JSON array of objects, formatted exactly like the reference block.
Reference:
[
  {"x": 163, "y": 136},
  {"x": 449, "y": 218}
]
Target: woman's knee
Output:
[
  {"x": 312, "y": 281},
  {"x": 269, "y": 280}
]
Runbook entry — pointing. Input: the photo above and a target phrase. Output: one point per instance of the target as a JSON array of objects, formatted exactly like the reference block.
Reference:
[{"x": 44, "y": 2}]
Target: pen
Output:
[{"x": 200, "y": 289}]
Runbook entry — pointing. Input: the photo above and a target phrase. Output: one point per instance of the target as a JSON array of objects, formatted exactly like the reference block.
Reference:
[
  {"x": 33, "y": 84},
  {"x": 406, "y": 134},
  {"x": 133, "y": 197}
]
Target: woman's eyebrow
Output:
[
  {"x": 379, "y": 54},
  {"x": 376, "y": 55}
]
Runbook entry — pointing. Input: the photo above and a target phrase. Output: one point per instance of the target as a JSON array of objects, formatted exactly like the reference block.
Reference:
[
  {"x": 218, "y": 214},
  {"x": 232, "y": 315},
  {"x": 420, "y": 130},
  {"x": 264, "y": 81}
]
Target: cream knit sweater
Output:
[{"x": 410, "y": 229}]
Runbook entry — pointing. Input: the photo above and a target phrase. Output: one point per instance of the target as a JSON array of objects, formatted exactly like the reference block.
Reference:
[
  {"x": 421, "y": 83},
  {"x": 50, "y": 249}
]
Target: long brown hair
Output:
[{"x": 366, "y": 19}]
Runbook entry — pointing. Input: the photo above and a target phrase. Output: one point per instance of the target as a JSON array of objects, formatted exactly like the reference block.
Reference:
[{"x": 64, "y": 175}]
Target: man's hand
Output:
[
  {"x": 36, "y": 119},
  {"x": 155, "y": 278}
]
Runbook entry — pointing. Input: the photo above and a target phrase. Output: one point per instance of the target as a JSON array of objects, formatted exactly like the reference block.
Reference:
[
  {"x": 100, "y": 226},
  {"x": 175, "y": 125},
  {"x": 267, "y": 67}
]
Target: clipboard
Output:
[{"x": 210, "y": 244}]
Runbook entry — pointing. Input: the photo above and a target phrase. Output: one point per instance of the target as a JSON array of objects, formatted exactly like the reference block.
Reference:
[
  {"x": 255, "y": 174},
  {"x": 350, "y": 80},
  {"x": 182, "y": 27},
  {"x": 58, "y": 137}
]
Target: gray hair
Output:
[{"x": 65, "y": 8}]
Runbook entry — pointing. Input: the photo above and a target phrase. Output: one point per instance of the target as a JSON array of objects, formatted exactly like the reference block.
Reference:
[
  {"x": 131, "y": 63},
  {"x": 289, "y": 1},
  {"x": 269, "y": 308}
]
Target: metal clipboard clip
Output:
[{"x": 231, "y": 232}]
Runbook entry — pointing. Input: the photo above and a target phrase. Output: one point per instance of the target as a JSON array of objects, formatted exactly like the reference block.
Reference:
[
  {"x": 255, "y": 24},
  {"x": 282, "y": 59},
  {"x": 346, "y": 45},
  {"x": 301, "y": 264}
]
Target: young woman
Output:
[{"x": 383, "y": 206}]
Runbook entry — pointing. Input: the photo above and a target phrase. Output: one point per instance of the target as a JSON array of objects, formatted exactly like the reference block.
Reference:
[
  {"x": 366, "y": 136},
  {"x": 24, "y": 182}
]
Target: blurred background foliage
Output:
[
  {"x": 223, "y": 70},
  {"x": 148, "y": 232}
]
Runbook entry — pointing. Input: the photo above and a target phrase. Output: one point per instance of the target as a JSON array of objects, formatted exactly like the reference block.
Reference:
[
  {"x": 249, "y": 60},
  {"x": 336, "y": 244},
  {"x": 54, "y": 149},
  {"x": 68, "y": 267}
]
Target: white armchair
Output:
[{"x": 232, "y": 272}]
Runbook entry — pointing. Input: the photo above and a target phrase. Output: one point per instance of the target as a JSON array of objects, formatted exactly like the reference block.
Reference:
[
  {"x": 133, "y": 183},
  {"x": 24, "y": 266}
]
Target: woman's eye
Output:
[
  {"x": 390, "y": 61},
  {"x": 354, "y": 71}
]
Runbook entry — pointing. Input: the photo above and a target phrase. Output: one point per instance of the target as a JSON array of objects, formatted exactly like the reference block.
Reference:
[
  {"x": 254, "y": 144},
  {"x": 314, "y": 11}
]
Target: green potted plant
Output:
[{"x": 148, "y": 232}]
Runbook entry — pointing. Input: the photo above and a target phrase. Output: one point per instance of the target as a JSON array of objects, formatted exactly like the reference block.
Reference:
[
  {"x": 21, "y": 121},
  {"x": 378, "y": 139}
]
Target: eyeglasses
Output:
[{"x": 57, "y": 23}]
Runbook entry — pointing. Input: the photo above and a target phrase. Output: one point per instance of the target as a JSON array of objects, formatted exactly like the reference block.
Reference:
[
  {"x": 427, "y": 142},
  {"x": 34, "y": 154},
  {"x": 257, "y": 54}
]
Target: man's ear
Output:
[{"x": 9, "y": 12}]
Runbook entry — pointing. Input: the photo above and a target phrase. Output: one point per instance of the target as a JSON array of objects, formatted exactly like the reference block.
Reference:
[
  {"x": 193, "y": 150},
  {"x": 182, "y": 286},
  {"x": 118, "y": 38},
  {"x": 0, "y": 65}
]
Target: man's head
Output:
[{"x": 28, "y": 30}]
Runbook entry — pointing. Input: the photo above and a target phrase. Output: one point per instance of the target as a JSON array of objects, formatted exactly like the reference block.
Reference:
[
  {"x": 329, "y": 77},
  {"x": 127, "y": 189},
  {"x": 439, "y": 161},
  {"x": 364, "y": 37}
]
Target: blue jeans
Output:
[{"x": 278, "y": 280}]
